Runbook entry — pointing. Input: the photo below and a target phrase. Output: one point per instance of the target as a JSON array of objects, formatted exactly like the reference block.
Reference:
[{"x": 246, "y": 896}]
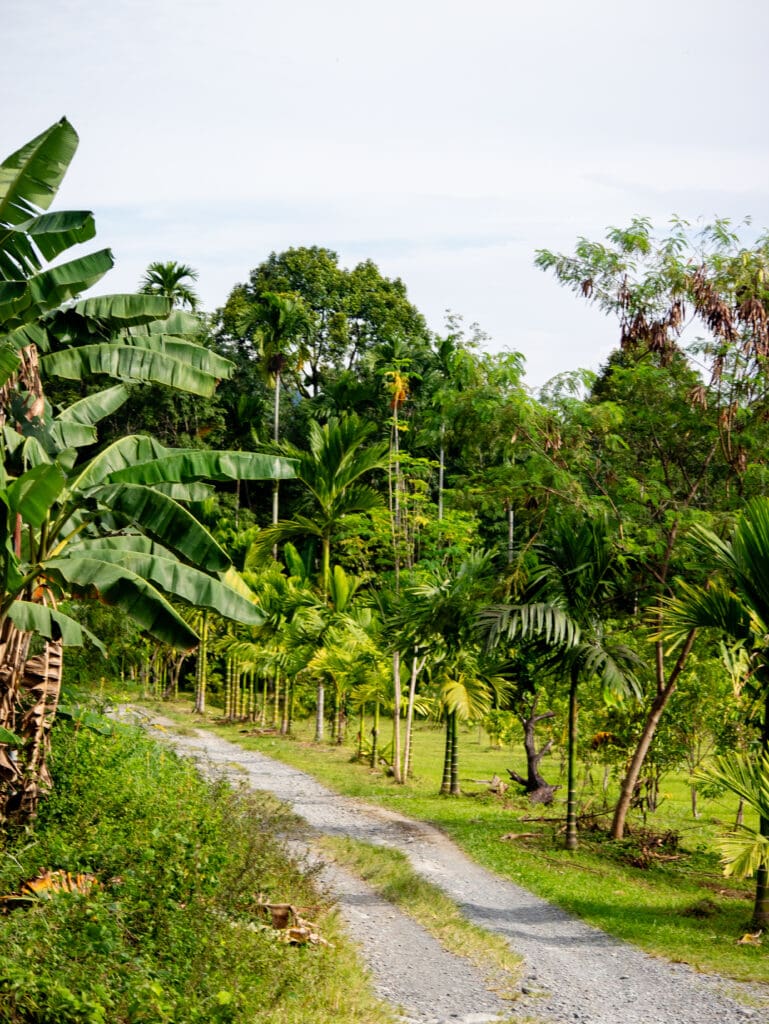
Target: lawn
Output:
[{"x": 662, "y": 888}]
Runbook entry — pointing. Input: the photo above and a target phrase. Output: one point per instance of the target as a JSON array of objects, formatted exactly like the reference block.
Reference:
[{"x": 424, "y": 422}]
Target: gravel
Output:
[{"x": 572, "y": 973}]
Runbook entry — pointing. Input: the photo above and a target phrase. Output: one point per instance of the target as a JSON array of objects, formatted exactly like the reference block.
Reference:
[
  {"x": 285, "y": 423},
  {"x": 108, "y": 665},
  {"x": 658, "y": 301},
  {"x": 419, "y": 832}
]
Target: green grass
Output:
[
  {"x": 390, "y": 874},
  {"x": 680, "y": 908},
  {"x": 172, "y": 931}
]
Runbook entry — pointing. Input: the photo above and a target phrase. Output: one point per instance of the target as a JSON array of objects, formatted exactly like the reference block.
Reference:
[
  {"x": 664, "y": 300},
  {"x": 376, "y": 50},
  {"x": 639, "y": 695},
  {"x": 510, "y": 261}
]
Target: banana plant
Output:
[{"x": 115, "y": 527}]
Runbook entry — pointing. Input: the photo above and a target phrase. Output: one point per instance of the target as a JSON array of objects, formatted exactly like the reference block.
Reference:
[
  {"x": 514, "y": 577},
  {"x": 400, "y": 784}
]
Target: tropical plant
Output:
[
  {"x": 116, "y": 526},
  {"x": 173, "y": 281},
  {"x": 567, "y": 607},
  {"x": 736, "y": 603},
  {"x": 334, "y": 472}
]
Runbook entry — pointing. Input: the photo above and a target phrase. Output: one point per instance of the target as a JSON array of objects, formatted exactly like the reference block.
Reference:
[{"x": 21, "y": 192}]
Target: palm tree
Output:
[
  {"x": 277, "y": 321},
  {"x": 567, "y": 606},
  {"x": 173, "y": 281},
  {"x": 334, "y": 473},
  {"x": 442, "y": 613},
  {"x": 736, "y": 603}
]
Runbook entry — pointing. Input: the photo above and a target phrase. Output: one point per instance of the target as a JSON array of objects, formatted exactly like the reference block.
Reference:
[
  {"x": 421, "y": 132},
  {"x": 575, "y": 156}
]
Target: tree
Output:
[
  {"x": 736, "y": 603},
  {"x": 173, "y": 281},
  {"x": 277, "y": 322},
  {"x": 334, "y": 472},
  {"x": 442, "y": 612},
  {"x": 115, "y": 526},
  {"x": 568, "y": 606}
]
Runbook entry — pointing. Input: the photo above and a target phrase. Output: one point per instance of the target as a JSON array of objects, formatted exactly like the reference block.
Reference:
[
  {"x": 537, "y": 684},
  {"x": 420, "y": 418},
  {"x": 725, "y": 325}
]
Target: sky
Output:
[{"x": 445, "y": 140}]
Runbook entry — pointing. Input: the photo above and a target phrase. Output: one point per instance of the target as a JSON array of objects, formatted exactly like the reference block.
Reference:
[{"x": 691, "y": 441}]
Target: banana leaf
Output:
[
  {"x": 117, "y": 586},
  {"x": 165, "y": 520}
]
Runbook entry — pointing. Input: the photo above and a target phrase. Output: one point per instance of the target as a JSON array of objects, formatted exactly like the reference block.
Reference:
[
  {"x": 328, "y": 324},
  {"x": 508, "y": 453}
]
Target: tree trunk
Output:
[
  {"x": 571, "y": 786},
  {"x": 276, "y": 438},
  {"x": 454, "y": 789},
  {"x": 319, "y": 713},
  {"x": 397, "y": 773},
  {"x": 446, "y": 779},
  {"x": 664, "y": 693},
  {"x": 533, "y": 780},
  {"x": 201, "y": 677},
  {"x": 416, "y": 668},
  {"x": 375, "y": 736},
  {"x": 761, "y": 906},
  {"x": 441, "y": 471}
]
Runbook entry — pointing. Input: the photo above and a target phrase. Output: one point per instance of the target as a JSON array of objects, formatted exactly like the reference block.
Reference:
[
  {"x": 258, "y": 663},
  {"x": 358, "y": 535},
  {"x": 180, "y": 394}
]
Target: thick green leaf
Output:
[
  {"x": 30, "y": 177},
  {"x": 195, "y": 491},
  {"x": 9, "y": 363},
  {"x": 15, "y": 298},
  {"x": 10, "y": 739},
  {"x": 56, "y": 285},
  {"x": 182, "y": 581},
  {"x": 125, "y": 310},
  {"x": 118, "y": 586},
  {"x": 131, "y": 364},
  {"x": 33, "y": 494},
  {"x": 53, "y": 233},
  {"x": 48, "y": 622},
  {"x": 164, "y": 519},
  {"x": 127, "y": 451},
  {"x": 92, "y": 408},
  {"x": 188, "y": 352},
  {"x": 64, "y": 434},
  {"x": 192, "y": 464}
]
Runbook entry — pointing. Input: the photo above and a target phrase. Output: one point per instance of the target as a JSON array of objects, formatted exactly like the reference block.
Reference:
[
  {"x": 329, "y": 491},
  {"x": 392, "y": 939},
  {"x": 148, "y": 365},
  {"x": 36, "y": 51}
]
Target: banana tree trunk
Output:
[{"x": 41, "y": 679}]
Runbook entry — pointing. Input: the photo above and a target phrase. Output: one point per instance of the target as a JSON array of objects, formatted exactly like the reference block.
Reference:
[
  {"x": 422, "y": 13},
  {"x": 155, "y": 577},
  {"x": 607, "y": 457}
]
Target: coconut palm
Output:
[
  {"x": 567, "y": 607},
  {"x": 172, "y": 280},
  {"x": 736, "y": 603}
]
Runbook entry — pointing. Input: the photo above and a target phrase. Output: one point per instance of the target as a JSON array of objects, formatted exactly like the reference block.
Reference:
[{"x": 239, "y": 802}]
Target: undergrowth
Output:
[{"x": 172, "y": 932}]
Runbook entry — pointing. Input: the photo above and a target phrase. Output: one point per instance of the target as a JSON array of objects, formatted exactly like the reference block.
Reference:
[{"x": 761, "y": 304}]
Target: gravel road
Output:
[{"x": 572, "y": 972}]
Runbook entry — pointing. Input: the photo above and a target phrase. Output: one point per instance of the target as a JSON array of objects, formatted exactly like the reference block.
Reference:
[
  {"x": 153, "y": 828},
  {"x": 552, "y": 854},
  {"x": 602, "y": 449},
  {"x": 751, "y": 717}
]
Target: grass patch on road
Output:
[{"x": 390, "y": 874}]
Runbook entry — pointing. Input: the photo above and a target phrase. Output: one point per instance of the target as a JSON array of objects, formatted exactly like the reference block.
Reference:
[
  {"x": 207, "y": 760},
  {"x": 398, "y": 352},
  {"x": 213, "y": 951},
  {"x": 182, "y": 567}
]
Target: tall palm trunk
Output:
[
  {"x": 397, "y": 772},
  {"x": 320, "y": 712},
  {"x": 276, "y": 438},
  {"x": 454, "y": 789},
  {"x": 448, "y": 752},
  {"x": 571, "y": 784},
  {"x": 408, "y": 745},
  {"x": 201, "y": 676},
  {"x": 761, "y": 905},
  {"x": 375, "y": 736}
]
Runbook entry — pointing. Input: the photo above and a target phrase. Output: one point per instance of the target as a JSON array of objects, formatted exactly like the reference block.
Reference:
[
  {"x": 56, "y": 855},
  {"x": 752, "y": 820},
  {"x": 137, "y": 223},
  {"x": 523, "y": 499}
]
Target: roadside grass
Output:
[
  {"x": 661, "y": 888},
  {"x": 390, "y": 874},
  {"x": 167, "y": 925}
]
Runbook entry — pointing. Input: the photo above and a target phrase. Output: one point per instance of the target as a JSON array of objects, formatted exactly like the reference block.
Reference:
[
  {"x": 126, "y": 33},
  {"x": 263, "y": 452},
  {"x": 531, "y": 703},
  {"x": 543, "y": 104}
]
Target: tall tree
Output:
[
  {"x": 569, "y": 606},
  {"x": 736, "y": 603}
]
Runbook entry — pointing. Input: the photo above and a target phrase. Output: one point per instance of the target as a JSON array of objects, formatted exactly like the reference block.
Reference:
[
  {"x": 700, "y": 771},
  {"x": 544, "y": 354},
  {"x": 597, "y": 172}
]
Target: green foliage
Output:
[{"x": 173, "y": 931}]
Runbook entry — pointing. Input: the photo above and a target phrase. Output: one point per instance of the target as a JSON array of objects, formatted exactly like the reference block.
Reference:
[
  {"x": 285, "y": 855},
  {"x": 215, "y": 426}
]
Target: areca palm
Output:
[
  {"x": 334, "y": 472},
  {"x": 736, "y": 603},
  {"x": 442, "y": 612},
  {"x": 566, "y": 609},
  {"x": 172, "y": 280},
  {"x": 278, "y": 322}
]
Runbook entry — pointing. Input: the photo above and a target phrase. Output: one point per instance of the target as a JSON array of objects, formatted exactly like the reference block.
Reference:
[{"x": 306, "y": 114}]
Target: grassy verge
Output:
[
  {"x": 171, "y": 929},
  {"x": 390, "y": 874},
  {"x": 661, "y": 889}
]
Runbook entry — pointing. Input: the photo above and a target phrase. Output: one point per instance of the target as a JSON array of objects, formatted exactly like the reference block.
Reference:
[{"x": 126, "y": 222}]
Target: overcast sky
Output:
[{"x": 445, "y": 140}]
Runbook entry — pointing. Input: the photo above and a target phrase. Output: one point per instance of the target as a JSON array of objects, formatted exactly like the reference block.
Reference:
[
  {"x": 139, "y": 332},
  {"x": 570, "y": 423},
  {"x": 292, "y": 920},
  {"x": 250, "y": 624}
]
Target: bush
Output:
[{"x": 171, "y": 932}]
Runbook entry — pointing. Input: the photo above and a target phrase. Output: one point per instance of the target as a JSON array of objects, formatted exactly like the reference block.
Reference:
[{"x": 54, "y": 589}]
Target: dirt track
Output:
[{"x": 573, "y": 972}]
